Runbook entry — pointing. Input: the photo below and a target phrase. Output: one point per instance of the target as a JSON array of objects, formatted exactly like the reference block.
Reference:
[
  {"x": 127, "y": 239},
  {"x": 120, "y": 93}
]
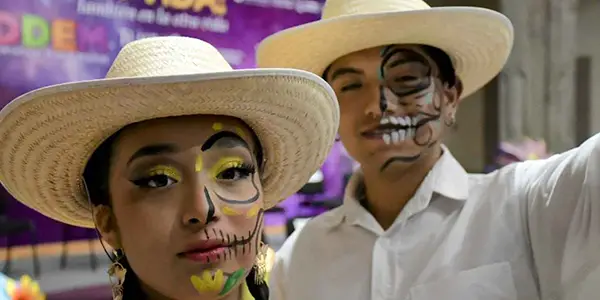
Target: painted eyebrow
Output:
[
  {"x": 225, "y": 139},
  {"x": 409, "y": 56},
  {"x": 152, "y": 150}
]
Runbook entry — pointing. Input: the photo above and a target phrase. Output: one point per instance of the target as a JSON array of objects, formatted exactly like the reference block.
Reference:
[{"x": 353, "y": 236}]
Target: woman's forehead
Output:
[{"x": 184, "y": 132}]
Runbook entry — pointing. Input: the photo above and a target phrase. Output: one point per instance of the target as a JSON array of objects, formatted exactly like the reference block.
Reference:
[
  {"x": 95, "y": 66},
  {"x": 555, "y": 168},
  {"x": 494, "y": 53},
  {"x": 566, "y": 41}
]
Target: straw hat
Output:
[
  {"x": 477, "y": 40},
  {"x": 49, "y": 134}
]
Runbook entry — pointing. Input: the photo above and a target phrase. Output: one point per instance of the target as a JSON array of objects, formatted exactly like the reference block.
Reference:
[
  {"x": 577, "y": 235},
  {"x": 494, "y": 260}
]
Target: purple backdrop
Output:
[{"x": 44, "y": 42}]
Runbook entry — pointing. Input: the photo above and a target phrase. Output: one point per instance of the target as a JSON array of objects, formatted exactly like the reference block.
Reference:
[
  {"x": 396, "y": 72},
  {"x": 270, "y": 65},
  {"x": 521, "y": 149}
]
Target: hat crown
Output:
[
  {"x": 164, "y": 56},
  {"x": 338, "y": 8}
]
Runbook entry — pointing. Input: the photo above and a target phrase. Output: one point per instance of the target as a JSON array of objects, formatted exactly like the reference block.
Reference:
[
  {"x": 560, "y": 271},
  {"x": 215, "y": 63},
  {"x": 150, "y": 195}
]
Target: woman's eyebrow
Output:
[{"x": 152, "y": 150}]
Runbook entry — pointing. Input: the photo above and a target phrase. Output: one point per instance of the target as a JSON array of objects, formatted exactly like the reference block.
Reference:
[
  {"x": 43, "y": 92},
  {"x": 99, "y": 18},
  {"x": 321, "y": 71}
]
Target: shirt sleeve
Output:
[
  {"x": 561, "y": 206},
  {"x": 277, "y": 280},
  {"x": 278, "y": 283}
]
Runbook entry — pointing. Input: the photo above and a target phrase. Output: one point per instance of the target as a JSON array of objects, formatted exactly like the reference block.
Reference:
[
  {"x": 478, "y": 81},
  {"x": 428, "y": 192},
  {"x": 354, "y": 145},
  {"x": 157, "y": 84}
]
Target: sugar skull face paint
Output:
[
  {"x": 189, "y": 205},
  {"x": 393, "y": 103}
]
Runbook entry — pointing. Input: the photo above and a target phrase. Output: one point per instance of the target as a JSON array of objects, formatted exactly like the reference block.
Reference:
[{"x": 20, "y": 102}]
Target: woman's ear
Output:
[{"x": 107, "y": 225}]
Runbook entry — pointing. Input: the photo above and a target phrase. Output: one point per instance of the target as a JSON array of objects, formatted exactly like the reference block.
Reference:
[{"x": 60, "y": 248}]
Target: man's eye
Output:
[{"x": 349, "y": 87}]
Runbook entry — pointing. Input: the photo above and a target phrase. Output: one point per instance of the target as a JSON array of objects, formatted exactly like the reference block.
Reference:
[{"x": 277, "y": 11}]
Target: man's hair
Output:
[{"x": 442, "y": 60}]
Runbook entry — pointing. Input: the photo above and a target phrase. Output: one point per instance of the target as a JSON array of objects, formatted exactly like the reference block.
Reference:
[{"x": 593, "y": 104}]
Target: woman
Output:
[{"x": 179, "y": 156}]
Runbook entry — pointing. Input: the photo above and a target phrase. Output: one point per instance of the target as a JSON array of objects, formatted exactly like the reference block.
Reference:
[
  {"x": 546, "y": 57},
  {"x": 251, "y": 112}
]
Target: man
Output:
[{"x": 414, "y": 225}]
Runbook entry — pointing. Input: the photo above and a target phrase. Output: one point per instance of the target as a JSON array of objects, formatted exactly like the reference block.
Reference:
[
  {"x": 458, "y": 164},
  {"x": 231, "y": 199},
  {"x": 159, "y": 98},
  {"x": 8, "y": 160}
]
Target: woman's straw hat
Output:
[
  {"x": 477, "y": 40},
  {"x": 49, "y": 134}
]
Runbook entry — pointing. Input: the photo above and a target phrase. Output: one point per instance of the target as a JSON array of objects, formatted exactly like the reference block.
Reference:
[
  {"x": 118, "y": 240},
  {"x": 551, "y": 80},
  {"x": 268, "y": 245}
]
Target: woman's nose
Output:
[{"x": 200, "y": 209}]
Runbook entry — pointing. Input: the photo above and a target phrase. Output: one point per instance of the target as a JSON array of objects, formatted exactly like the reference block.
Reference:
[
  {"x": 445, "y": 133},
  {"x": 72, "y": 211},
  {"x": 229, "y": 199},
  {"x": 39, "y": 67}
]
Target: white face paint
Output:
[{"x": 404, "y": 127}]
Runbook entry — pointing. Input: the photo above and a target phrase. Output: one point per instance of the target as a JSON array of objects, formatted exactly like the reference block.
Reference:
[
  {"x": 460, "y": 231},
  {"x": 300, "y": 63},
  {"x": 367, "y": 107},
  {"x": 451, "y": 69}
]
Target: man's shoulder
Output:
[{"x": 313, "y": 233}]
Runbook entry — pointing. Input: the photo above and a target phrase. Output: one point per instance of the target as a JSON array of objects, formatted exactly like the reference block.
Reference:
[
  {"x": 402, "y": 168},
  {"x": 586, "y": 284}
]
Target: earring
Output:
[
  {"x": 116, "y": 275},
  {"x": 451, "y": 122},
  {"x": 261, "y": 264}
]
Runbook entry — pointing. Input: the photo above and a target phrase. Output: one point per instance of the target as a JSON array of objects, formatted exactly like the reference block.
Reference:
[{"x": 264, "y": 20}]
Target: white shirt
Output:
[{"x": 528, "y": 231}]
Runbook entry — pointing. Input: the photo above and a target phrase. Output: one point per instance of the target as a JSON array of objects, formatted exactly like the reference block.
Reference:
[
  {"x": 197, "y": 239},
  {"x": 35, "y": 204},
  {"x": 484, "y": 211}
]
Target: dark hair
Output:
[
  {"x": 443, "y": 61},
  {"x": 96, "y": 176}
]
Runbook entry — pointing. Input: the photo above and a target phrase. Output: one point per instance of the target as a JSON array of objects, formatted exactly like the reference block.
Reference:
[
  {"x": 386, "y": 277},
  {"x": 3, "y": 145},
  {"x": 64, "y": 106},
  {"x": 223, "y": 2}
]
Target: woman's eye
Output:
[
  {"x": 155, "y": 182},
  {"x": 233, "y": 174}
]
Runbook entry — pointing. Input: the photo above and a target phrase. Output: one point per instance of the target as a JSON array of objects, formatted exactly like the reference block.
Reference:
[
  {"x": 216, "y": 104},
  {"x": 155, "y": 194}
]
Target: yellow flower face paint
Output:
[
  {"x": 199, "y": 163},
  {"x": 165, "y": 170},
  {"x": 224, "y": 164},
  {"x": 207, "y": 282},
  {"x": 217, "y": 126},
  {"x": 228, "y": 211}
]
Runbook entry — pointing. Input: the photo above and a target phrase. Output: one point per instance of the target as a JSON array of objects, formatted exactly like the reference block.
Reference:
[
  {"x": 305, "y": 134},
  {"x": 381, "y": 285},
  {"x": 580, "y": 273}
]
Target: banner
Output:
[{"x": 46, "y": 42}]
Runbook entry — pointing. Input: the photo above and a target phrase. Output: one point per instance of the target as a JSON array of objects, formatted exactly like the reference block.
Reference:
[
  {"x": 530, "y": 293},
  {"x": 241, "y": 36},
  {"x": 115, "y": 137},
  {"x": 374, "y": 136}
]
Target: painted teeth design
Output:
[
  {"x": 403, "y": 121},
  {"x": 399, "y": 135},
  {"x": 394, "y": 136}
]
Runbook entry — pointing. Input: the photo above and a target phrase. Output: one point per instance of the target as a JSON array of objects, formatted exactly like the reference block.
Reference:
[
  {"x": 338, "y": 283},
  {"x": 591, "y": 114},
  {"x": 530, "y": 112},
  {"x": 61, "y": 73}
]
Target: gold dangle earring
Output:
[
  {"x": 261, "y": 263},
  {"x": 116, "y": 275}
]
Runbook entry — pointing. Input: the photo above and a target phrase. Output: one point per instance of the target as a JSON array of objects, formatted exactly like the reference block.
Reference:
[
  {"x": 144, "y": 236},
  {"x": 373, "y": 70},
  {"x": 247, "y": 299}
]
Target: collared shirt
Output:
[{"x": 525, "y": 232}]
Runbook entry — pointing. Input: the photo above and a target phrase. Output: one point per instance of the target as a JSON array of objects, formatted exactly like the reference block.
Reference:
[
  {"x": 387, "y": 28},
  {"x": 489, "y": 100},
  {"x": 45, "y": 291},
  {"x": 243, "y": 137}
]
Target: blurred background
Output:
[{"x": 543, "y": 102}]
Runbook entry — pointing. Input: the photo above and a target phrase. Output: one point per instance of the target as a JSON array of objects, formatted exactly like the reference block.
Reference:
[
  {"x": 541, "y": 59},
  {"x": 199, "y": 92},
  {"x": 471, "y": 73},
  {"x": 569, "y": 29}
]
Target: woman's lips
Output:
[{"x": 206, "y": 256}]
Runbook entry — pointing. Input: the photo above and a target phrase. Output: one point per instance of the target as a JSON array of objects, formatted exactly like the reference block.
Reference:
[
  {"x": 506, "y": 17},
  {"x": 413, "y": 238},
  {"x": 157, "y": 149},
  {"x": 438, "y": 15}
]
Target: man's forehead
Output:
[{"x": 373, "y": 57}]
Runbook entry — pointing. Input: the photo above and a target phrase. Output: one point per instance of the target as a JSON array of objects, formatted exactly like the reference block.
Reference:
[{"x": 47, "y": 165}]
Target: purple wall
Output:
[{"x": 44, "y": 42}]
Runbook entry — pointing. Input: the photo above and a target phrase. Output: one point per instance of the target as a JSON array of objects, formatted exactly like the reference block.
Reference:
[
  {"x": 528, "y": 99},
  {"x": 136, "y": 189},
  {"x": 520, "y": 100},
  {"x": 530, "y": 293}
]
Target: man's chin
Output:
[{"x": 400, "y": 159}]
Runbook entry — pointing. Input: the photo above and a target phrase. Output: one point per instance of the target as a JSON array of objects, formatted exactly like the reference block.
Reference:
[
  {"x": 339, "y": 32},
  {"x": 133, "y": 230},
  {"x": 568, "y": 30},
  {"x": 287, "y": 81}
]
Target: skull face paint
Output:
[
  {"x": 236, "y": 173},
  {"x": 167, "y": 179},
  {"x": 408, "y": 81},
  {"x": 393, "y": 103}
]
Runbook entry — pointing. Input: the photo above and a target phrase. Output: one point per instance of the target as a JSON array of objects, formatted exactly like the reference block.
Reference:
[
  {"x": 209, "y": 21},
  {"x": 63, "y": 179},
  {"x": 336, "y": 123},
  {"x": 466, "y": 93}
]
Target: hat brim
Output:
[
  {"x": 49, "y": 134},
  {"x": 478, "y": 40}
]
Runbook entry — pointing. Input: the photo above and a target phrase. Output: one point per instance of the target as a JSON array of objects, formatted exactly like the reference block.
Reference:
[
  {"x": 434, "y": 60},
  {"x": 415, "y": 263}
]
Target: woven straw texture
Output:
[
  {"x": 478, "y": 40},
  {"x": 49, "y": 134}
]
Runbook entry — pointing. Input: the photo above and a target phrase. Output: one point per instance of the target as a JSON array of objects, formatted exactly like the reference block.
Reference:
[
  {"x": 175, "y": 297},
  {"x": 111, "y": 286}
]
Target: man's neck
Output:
[{"x": 387, "y": 193}]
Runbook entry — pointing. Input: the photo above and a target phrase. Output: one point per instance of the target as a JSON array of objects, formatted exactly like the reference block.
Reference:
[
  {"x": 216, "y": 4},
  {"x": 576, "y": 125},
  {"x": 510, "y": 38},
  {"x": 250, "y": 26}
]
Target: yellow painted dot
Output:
[
  {"x": 217, "y": 126},
  {"x": 199, "y": 163}
]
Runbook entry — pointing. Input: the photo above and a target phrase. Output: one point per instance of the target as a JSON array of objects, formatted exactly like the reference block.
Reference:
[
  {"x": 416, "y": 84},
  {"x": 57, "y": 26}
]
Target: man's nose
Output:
[{"x": 382, "y": 102}]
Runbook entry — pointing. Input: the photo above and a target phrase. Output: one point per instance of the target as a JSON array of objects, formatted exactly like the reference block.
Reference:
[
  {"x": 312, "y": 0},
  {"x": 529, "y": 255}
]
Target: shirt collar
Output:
[{"x": 447, "y": 178}]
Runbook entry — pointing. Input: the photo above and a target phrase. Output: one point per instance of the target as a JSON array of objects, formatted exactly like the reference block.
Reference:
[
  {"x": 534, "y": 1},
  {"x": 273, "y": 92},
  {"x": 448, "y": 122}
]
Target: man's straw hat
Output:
[
  {"x": 477, "y": 40},
  {"x": 49, "y": 134}
]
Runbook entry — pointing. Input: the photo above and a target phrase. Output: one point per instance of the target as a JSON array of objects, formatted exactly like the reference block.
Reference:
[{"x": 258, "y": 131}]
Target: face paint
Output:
[
  {"x": 240, "y": 132},
  {"x": 245, "y": 201},
  {"x": 210, "y": 215},
  {"x": 166, "y": 171},
  {"x": 243, "y": 244},
  {"x": 253, "y": 211},
  {"x": 199, "y": 163},
  {"x": 232, "y": 281},
  {"x": 208, "y": 282},
  {"x": 217, "y": 126},
  {"x": 415, "y": 89},
  {"x": 226, "y": 163},
  {"x": 228, "y": 211}
]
